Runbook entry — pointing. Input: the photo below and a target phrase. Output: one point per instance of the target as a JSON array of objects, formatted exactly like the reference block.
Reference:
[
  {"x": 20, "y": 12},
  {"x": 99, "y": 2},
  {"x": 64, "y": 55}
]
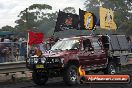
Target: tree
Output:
[
  {"x": 36, "y": 18},
  {"x": 31, "y": 15},
  {"x": 69, "y": 10},
  {"x": 7, "y": 28},
  {"x": 48, "y": 25}
]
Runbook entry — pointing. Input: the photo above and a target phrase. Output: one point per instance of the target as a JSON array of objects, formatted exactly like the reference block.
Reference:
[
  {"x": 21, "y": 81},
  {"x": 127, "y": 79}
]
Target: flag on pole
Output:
[
  {"x": 66, "y": 21},
  {"x": 87, "y": 20},
  {"x": 107, "y": 19},
  {"x": 35, "y": 37}
]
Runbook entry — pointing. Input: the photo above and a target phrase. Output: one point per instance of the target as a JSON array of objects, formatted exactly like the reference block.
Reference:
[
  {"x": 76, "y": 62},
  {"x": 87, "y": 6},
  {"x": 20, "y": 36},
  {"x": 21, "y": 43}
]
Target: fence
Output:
[
  {"x": 12, "y": 51},
  {"x": 13, "y": 67}
]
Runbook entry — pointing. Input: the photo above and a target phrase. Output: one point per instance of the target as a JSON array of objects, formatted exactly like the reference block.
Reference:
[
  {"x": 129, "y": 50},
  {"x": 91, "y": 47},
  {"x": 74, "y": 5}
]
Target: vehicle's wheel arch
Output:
[
  {"x": 114, "y": 59},
  {"x": 72, "y": 62}
]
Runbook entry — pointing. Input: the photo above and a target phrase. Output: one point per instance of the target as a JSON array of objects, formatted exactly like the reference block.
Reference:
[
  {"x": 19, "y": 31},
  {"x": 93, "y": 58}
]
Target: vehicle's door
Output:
[
  {"x": 99, "y": 56},
  {"x": 85, "y": 54}
]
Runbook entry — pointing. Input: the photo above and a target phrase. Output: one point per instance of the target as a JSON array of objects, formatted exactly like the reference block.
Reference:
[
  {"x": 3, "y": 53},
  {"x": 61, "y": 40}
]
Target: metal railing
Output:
[
  {"x": 12, "y": 57},
  {"x": 12, "y": 67}
]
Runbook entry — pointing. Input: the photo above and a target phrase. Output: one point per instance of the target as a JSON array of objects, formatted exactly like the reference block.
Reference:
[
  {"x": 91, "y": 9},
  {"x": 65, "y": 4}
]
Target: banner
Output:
[
  {"x": 66, "y": 21},
  {"x": 105, "y": 79},
  {"x": 87, "y": 20},
  {"x": 35, "y": 37},
  {"x": 107, "y": 19}
]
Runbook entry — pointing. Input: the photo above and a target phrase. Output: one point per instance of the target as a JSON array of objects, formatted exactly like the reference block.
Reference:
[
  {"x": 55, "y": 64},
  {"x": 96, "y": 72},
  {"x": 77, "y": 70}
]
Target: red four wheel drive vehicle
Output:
[{"x": 92, "y": 53}]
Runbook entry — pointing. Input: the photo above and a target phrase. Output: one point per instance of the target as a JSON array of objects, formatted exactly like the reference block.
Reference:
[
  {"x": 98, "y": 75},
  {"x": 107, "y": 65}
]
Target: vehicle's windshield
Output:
[{"x": 66, "y": 45}]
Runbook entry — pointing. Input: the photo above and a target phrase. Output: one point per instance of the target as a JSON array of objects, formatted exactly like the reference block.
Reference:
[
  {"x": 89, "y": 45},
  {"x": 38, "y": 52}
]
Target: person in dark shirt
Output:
[
  {"x": 2, "y": 53},
  {"x": 130, "y": 44},
  {"x": 23, "y": 52},
  {"x": 2, "y": 39}
]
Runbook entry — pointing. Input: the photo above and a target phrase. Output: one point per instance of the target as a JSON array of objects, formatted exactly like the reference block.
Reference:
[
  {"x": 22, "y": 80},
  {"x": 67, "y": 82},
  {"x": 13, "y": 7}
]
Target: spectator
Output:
[
  {"x": 16, "y": 52},
  {"x": 7, "y": 54},
  {"x": 22, "y": 49},
  {"x": 41, "y": 46},
  {"x": 11, "y": 38},
  {"x": 2, "y": 53},
  {"x": 38, "y": 52},
  {"x": 15, "y": 39},
  {"x": 130, "y": 44},
  {"x": 2, "y": 39}
]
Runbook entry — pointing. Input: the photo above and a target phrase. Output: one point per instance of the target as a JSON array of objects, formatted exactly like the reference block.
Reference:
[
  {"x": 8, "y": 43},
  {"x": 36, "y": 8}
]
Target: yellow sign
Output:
[
  {"x": 88, "y": 20},
  {"x": 39, "y": 66},
  {"x": 107, "y": 19}
]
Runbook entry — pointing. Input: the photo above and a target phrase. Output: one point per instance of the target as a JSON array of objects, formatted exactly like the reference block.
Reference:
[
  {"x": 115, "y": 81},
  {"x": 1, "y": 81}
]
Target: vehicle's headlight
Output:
[
  {"x": 30, "y": 60},
  {"x": 56, "y": 60},
  {"x": 43, "y": 60},
  {"x": 35, "y": 60}
]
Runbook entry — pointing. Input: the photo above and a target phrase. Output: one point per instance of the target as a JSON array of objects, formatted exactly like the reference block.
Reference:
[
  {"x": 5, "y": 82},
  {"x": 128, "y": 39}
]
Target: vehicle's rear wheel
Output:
[
  {"x": 111, "y": 68},
  {"x": 39, "y": 78},
  {"x": 70, "y": 75}
]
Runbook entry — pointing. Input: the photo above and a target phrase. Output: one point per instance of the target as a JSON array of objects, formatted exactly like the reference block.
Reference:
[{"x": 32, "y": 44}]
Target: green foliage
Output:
[
  {"x": 40, "y": 7},
  {"x": 7, "y": 28},
  {"x": 33, "y": 17},
  {"x": 69, "y": 10}
]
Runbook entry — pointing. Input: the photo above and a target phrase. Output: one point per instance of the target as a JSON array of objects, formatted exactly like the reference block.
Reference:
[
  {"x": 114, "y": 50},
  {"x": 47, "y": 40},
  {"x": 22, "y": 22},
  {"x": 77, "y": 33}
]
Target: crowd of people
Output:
[{"x": 12, "y": 49}]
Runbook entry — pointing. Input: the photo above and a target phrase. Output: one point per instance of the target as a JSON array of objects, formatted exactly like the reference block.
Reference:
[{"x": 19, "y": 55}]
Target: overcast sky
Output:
[{"x": 9, "y": 9}]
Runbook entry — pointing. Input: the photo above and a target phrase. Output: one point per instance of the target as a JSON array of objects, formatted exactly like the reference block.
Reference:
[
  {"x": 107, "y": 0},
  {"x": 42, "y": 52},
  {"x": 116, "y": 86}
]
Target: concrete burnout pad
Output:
[{"x": 27, "y": 75}]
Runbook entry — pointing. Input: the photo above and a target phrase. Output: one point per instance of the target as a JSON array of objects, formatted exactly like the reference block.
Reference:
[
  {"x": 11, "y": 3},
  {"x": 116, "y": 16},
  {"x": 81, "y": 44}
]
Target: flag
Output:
[
  {"x": 66, "y": 21},
  {"x": 87, "y": 20},
  {"x": 35, "y": 37},
  {"x": 107, "y": 19}
]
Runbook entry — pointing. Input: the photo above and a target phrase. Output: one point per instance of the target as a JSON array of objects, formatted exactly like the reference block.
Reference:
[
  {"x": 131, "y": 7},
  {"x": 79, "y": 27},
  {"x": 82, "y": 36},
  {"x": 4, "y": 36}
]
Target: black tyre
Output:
[
  {"x": 39, "y": 78},
  {"x": 70, "y": 75},
  {"x": 111, "y": 68}
]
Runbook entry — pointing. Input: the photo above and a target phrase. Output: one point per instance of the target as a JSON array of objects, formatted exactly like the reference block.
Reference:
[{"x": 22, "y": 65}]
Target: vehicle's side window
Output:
[
  {"x": 76, "y": 45},
  {"x": 95, "y": 44}
]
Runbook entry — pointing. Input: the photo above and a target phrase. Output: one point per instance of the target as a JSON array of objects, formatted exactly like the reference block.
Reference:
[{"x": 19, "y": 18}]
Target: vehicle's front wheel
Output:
[
  {"x": 39, "y": 78},
  {"x": 70, "y": 75}
]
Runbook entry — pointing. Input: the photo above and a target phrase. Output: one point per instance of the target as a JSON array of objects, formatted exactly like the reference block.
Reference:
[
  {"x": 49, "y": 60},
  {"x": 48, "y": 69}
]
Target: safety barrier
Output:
[{"x": 10, "y": 67}]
